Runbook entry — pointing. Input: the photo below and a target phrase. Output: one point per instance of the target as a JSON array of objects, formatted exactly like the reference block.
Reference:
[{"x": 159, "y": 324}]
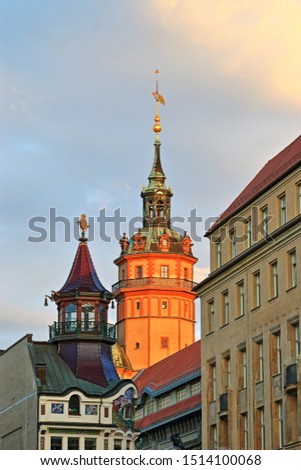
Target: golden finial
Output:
[{"x": 159, "y": 99}]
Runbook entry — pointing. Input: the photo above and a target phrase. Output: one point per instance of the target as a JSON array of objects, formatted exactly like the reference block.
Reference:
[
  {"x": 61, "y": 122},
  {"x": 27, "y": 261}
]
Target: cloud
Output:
[
  {"x": 200, "y": 273},
  {"x": 253, "y": 41}
]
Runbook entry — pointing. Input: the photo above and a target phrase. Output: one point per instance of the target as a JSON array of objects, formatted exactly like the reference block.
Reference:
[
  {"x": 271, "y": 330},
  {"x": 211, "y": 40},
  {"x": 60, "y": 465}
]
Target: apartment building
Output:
[{"x": 250, "y": 314}]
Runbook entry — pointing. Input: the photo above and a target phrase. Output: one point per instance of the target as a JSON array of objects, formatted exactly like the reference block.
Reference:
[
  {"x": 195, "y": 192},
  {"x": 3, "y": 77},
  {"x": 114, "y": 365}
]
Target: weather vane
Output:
[
  {"x": 83, "y": 223},
  {"x": 159, "y": 99}
]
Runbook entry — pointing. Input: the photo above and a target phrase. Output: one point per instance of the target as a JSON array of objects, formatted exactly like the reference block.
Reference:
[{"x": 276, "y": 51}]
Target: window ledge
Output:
[
  {"x": 224, "y": 326},
  {"x": 210, "y": 334},
  {"x": 255, "y": 308},
  {"x": 291, "y": 288},
  {"x": 273, "y": 298},
  {"x": 239, "y": 317}
]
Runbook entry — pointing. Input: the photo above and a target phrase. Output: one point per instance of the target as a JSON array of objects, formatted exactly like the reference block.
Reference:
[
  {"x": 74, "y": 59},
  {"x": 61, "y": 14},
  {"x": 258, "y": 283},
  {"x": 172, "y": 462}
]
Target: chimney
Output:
[{"x": 41, "y": 368}]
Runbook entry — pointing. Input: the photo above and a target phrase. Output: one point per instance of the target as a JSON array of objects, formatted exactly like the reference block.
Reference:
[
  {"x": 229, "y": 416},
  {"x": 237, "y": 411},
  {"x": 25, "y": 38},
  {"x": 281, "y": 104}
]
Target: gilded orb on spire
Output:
[{"x": 159, "y": 99}]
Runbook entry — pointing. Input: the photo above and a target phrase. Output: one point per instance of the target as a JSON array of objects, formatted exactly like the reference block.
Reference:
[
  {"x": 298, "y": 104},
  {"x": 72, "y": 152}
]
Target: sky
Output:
[{"x": 76, "y": 117}]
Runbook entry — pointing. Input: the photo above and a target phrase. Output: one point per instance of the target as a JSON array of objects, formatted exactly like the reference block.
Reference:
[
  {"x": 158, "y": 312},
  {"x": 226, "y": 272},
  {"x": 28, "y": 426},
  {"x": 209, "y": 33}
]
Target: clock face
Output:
[{"x": 164, "y": 242}]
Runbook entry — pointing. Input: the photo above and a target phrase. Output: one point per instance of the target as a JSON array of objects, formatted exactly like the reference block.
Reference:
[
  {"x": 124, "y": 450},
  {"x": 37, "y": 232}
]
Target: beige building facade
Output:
[{"x": 250, "y": 314}]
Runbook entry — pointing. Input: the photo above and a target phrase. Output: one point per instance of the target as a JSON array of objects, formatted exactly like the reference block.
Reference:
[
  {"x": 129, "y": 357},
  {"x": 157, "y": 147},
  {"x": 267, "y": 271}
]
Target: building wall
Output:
[
  {"x": 157, "y": 435},
  {"x": 248, "y": 354},
  {"x": 99, "y": 423},
  {"x": 18, "y": 399},
  {"x": 155, "y": 308}
]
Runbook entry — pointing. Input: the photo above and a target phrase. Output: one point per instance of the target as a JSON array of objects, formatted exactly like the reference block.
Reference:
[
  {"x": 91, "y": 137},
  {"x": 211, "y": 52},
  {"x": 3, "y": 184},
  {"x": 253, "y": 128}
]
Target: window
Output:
[
  {"x": 117, "y": 444},
  {"x": 90, "y": 444},
  {"x": 244, "y": 431},
  {"x": 196, "y": 387},
  {"x": 292, "y": 269},
  {"x": 249, "y": 232},
  {"x": 88, "y": 317},
  {"x": 164, "y": 304},
  {"x": 213, "y": 437},
  {"x": 164, "y": 342},
  {"x": 265, "y": 221},
  {"x": 70, "y": 318},
  {"x": 298, "y": 187},
  {"x": 256, "y": 290},
  {"x": 243, "y": 368},
  {"x": 241, "y": 298},
  {"x": 164, "y": 271},
  {"x": 163, "y": 402},
  {"x": 138, "y": 305},
  {"x": 274, "y": 279},
  {"x": 280, "y": 424},
  {"x": 218, "y": 253},
  {"x": 276, "y": 353},
  {"x": 225, "y": 308},
  {"x": 139, "y": 272},
  {"x": 294, "y": 332},
  {"x": 212, "y": 382},
  {"x": 210, "y": 316},
  {"x": 150, "y": 406},
  {"x": 74, "y": 405},
  {"x": 227, "y": 371},
  {"x": 262, "y": 428},
  {"x": 185, "y": 273},
  {"x": 180, "y": 394},
  {"x": 56, "y": 443},
  {"x": 106, "y": 412},
  {"x": 259, "y": 361},
  {"x": 73, "y": 443},
  {"x": 282, "y": 209},
  {"x": 233, "y": 243}
]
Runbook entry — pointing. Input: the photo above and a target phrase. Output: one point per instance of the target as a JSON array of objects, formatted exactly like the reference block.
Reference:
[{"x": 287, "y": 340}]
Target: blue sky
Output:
[{"x": 77, "y": 113}]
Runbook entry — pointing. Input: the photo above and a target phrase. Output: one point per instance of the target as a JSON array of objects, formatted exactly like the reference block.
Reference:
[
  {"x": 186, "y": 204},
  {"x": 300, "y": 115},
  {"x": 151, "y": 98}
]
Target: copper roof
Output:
[{"x": 277, "y": 167}]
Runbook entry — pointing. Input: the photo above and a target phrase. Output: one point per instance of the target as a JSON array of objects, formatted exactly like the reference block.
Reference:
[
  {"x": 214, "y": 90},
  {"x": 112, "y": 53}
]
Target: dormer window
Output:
[{"x": 74, "y": 405}]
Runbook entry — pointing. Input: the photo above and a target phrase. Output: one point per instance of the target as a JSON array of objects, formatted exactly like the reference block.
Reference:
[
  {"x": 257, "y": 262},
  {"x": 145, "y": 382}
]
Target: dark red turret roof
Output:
[
  {"x": 83, "y": 275},
  {"x": 277, "y": 167}
]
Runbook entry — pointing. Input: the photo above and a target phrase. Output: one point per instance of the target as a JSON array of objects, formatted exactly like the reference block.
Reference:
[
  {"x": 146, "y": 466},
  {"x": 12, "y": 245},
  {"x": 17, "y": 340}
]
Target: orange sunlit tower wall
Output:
[{"x": 155, "y": 304}]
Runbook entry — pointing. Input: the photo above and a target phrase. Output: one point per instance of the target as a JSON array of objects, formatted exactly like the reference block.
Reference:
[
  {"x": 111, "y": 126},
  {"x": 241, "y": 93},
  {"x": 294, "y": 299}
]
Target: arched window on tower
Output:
[
  {"x": 70, "y": 318},
  {"x": 151, "y": 210},
  {"x": 88, "y": 318},
  {"x": 160, "y": 209},
  {"x": 74, "y": 405}
]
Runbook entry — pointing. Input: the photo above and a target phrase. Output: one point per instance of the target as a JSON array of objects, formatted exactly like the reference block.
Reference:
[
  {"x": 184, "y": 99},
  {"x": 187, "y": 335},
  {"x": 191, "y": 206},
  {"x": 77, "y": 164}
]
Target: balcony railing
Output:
[
  {"x": 153, "y": 282},
  {"x": 88, "y": 329},
  {"x": 291, "y": 375}
]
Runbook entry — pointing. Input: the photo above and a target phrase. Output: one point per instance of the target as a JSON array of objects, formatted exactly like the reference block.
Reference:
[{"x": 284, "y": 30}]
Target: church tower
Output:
[{"x": 155, "y": 302}]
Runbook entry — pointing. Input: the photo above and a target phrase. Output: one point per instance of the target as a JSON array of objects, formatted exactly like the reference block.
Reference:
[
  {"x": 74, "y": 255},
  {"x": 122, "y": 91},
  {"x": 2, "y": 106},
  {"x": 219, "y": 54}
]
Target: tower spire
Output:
[{"x": 159, "y": 99}]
